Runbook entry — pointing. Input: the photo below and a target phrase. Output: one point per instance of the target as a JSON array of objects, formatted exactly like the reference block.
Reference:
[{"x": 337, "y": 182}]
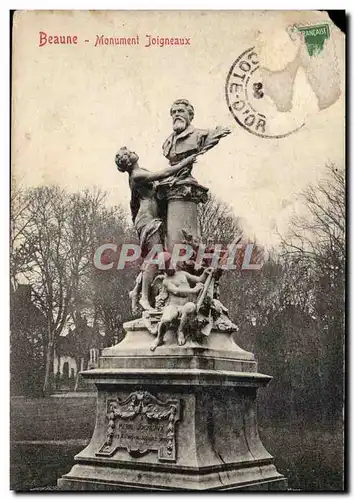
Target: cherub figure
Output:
[{"x": 183, "y": 289}]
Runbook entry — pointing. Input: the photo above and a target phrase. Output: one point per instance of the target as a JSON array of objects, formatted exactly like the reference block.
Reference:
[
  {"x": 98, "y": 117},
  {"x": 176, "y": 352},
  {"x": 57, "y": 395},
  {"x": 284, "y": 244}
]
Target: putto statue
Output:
[{"x": 182, "y": 289}]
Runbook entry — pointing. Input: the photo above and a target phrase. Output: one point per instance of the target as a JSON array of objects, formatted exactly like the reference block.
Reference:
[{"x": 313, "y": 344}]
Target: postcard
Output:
[{"x": 177, "y": 261}]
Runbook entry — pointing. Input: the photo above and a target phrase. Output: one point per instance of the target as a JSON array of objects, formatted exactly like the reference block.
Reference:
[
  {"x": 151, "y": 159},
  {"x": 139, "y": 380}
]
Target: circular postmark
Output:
[{"x": 247, "y": 102}]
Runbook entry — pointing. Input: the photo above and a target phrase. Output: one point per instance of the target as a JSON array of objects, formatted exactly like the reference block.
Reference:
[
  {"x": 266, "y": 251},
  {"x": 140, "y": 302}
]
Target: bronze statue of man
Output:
[{"x": 187, "y": 141}]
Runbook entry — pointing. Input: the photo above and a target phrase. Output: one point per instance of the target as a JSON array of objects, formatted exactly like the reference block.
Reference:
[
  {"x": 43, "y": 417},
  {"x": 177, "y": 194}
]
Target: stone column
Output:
[{"x": 182, "y": 201}]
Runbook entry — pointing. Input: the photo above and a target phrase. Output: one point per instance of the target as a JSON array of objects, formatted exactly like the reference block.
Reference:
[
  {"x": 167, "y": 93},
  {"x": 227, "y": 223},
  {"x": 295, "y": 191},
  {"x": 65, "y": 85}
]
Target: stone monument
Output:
[{"x": 176, "y": 403}]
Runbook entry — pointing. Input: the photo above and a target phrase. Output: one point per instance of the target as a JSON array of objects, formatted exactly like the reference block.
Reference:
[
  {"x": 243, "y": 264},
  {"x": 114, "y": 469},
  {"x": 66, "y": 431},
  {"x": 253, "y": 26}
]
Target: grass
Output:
[
  {"x": 40, "y": 465},
  {"x": 47, "y": 433},
  {"x": 311, "y": 458},
  {"x": 52, "y": 419}
]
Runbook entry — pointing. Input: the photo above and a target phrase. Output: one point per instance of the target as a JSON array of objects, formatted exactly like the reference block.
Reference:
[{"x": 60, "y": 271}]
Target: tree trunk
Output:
[
  {"x": 80, "y": 367},
  {"x": 48, "y": 376},
  {"x": 77, "y": 360}
]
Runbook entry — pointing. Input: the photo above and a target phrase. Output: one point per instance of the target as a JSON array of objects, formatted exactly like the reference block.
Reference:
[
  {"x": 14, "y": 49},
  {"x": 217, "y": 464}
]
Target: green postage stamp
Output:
[{"x": 314, "y": 37}]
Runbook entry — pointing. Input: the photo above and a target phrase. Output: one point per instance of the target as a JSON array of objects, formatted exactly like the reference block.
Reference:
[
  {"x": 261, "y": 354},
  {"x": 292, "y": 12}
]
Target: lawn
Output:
[
  {"x": 47, "y": 433},
  {"x": 52, "y": 419}
]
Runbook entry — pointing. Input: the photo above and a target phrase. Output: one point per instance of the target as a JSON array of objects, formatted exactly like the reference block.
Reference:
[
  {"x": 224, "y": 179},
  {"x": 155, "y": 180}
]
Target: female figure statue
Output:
[{"x": 146, "y": 213}]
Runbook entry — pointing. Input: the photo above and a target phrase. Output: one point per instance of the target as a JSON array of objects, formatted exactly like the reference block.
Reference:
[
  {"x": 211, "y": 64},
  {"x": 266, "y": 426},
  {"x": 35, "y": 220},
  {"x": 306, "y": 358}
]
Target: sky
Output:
[{"x": 74, "y": 106}]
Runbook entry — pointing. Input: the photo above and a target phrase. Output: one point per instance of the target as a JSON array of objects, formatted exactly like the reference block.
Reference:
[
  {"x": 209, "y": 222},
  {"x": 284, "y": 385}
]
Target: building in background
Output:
[{"x": 77, "y": 351}]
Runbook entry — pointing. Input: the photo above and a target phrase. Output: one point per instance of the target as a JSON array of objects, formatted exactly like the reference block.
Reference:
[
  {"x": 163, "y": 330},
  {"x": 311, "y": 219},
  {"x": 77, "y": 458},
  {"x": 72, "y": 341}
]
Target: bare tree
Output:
[
  {"x": 317, "y": 241},
  {"x": 110, "y": 287},
  {"x": 291, "y": 312},
  {"x": 56, "y": 243},
  {"x": 19, "y": 222},
  {"x": 319, "y": 235},
  {"x": 217, "y": 222}
]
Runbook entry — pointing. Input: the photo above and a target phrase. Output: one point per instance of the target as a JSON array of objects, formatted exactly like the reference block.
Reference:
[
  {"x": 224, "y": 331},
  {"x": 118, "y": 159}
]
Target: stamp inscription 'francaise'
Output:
[{"x": 141, "y": 423}]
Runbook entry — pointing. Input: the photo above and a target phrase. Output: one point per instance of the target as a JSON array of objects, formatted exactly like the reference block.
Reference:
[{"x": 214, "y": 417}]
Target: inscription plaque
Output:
[{"x": 141, "y": 423}]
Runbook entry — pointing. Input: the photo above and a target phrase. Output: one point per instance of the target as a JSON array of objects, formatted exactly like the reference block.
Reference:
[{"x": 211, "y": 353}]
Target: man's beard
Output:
[{"x": 179, "y": 124}]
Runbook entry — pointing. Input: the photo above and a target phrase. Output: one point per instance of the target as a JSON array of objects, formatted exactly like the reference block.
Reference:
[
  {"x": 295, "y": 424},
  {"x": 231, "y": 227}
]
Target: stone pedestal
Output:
[
  {"x": 182, "y": 200},
  {"x": 183, "y": 418}
]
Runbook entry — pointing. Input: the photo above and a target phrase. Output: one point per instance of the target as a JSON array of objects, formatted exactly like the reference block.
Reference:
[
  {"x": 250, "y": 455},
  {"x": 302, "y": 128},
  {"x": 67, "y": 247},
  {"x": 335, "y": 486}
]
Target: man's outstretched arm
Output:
[{"x": 213, "y": 137}]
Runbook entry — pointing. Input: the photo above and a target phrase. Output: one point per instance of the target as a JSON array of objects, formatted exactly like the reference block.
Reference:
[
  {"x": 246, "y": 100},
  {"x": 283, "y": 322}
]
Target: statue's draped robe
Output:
[{"x": 146, "y": 222}]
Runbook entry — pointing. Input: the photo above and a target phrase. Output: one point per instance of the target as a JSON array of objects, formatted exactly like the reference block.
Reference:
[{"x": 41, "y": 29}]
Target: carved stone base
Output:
[
  {"x": 197, "y": 482},
  {"x": 183, "y": 418}
]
